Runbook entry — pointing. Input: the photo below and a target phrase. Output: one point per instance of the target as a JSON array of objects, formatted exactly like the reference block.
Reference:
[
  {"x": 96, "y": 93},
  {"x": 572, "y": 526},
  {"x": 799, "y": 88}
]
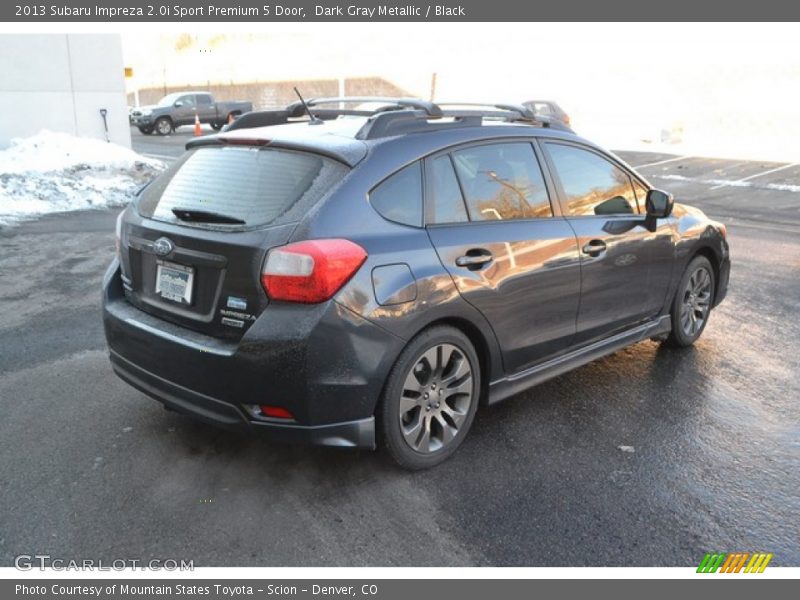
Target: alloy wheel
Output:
[
  {"x": 436, "y": 398},
  {"x": 164, "y": 127},
  {"x": 696, "y": 301}
]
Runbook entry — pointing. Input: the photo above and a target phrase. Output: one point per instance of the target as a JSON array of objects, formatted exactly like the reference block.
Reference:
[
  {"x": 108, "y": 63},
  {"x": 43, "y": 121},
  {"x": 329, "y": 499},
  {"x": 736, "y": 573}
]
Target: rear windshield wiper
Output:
[{"x": 203, "y": 216}]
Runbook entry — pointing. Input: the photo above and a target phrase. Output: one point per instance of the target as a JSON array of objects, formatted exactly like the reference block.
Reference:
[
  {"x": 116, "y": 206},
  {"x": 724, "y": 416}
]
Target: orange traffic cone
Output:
[
  {"x": 230, "y": 119},
  {"x": 197, "y": 129}
]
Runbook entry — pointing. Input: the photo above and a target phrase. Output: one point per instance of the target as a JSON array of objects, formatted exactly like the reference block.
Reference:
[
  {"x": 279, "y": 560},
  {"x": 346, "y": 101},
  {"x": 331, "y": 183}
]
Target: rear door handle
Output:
[
  {"x": 474, "y": 259},
  {"x": 594, "y": 247}
]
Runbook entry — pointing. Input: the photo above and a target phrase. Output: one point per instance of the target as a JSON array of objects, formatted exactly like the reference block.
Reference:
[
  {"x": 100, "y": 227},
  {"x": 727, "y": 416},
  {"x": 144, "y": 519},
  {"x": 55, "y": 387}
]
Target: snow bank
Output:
[{"x": 56, "y": 172}]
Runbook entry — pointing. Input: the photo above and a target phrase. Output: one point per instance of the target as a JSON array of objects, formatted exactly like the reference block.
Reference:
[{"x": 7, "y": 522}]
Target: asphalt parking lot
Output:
[{"x": 93, "y": 469}]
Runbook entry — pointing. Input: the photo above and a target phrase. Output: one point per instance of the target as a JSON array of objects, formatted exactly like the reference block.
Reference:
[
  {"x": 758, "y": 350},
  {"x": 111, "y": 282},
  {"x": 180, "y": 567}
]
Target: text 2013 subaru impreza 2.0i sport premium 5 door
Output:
[{"x": 362, "y": 278}]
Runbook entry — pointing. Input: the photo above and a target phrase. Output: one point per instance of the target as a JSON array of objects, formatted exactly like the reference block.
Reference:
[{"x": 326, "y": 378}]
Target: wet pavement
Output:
[{"x": 93, "y": 469}]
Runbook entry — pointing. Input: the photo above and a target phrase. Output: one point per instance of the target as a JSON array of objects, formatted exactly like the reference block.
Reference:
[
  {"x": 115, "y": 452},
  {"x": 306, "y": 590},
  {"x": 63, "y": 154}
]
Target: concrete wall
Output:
[
  {"x": 274, "y": 94},
  {"x": 60, "y": 82}
]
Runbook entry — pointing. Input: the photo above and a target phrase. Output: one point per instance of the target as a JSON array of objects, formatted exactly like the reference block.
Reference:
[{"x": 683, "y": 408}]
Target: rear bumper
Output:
[
  {"x": 323, "y": 363},
  {"x": 350, "y": 434}
]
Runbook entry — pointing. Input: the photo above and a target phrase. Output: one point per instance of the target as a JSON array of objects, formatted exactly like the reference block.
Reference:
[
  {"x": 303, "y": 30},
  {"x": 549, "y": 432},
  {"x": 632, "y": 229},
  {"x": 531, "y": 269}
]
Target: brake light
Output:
[
  {"x": 234, "y": 141},
  {"x": 311, "y": 271}
]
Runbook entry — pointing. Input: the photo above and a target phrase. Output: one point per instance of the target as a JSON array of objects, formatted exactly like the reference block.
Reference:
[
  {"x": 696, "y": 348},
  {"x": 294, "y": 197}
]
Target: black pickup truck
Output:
[{"x": 180, "y": 108}]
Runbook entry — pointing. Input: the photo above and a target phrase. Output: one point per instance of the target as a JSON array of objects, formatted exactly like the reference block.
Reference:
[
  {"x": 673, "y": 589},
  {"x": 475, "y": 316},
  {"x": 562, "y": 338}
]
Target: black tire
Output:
[
  {"x": 216, "y": 126},
  {"x": 691, "y": 307},
  {"x": 146, "y": 130},
  {"x": 163, "y": 126},
  {"x": 450, "y": 408}
]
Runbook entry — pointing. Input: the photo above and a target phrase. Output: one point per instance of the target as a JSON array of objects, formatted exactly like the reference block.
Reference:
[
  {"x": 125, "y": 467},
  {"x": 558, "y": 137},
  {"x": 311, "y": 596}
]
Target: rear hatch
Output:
[{"x": 193, "y": 246}]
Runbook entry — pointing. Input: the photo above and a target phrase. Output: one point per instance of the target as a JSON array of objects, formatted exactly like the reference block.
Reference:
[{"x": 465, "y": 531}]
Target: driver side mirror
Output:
[
  {"x": 178, "y": 103},
  {"x": 659, "y": 204}
]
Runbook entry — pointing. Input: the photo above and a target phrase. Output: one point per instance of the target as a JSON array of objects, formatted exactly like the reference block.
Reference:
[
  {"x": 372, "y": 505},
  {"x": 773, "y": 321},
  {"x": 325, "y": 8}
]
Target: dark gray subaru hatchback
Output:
[{"x": 348, "y": 277}]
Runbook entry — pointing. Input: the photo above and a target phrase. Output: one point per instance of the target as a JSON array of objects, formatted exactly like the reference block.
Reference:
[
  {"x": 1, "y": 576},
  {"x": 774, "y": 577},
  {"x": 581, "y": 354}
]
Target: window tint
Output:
[
  {"x": 256, "y": 185},
  {"x": 447, "y": 204},
  {"x": 399, "y": 198},
  {"x": 502, "y": 181},
  {"x": 187, "y": 100},
  {"x": 592, "y": 184},
  {"x": 203, "y": 99}
]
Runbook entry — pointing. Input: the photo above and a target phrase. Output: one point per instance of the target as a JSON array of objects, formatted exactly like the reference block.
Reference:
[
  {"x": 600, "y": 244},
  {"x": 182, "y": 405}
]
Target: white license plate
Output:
[{"x": 174, "y": 282}]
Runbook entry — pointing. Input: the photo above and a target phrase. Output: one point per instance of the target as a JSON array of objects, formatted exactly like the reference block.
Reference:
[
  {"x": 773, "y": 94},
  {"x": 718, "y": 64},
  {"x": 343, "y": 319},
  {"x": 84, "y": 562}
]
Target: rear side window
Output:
[
  {"x": 203, "y": 99},
  {"x": 502, "y": 181},
  {"x": 399, "y": 198},
  {"x": 592, "y": 185},
  {"x": 260, "y": 186},
  {"x": 446, "y": 204}
]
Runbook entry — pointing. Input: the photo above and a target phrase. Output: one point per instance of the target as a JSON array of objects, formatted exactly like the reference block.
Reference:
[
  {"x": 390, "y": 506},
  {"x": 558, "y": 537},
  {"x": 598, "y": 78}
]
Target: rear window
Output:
[{"x": 259, "y": 186}]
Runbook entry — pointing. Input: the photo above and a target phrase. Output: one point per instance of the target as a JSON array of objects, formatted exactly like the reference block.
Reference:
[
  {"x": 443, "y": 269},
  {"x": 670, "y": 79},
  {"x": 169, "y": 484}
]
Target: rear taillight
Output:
[{"x": 311, "y": 271}]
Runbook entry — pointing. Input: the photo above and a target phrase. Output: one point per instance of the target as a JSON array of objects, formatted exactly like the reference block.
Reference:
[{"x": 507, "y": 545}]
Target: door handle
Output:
[
  {"x": 594, "y": 247},
  {"x": 474, "y": 259}
]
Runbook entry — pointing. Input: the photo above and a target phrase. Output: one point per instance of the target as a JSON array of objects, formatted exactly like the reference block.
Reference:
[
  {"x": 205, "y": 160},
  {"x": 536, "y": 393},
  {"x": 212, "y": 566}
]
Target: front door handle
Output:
[
  {"x": 474, "y": 259},
  {"x": 594, "y": 247}
]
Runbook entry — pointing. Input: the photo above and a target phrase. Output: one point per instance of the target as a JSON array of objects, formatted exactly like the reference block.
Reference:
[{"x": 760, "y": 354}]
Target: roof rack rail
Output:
[
  {"x": 523, "y": 113},
  {"x": 394, "y": 116},
  {"x": 431, "y": 109}
]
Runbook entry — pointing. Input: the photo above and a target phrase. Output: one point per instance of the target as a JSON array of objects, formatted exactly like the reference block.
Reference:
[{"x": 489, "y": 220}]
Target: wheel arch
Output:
[
  {"x": 479, "y": 341},
  {"x": 711, "y": 254}
]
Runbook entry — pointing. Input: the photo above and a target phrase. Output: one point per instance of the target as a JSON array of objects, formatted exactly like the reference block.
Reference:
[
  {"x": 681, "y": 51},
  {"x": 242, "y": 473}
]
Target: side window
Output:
[
  {"x": 203, "y": 100},
  {"x": 641, "y": 195},
  {"x": 188, "y": 100},
  {"x": 399, "y": 198},
  {"x": 446, "y": 204},
  {"x": 502, "y": 181},
  {"x": 593, "y": 185}
]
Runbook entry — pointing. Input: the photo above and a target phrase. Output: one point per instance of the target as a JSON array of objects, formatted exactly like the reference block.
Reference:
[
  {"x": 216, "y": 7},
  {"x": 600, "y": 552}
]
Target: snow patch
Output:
[{"x": 56, "y": 172}]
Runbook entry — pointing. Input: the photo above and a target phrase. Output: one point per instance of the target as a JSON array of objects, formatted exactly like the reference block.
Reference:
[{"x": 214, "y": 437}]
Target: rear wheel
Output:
[
  {"x": 430, "y": 398},
  {"x": 692, "y": 304},
  {"x": 216, "y": 126}
]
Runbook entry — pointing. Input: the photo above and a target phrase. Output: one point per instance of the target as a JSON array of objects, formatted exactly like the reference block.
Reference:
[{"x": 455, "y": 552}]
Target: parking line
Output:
[
  {"x": 720, "y": 183},
  {"x": 661, "y": 162},
  {"x": 762, "y": 173},
  {"x": 775, "y": 170}
]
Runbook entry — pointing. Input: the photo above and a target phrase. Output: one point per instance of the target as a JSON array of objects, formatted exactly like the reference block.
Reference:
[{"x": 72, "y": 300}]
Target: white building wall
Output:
[{"x": 60, "y": 82}]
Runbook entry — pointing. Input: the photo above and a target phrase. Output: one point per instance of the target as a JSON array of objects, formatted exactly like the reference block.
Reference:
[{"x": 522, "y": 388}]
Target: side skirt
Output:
[{"x": 519, "y": 382}]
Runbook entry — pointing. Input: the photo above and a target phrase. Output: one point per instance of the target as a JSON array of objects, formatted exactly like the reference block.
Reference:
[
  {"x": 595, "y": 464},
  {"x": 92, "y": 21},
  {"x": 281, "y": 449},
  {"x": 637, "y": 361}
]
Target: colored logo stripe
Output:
[
  {"x": 758, "y": 563},
  {"x": 733, "y": 562}
]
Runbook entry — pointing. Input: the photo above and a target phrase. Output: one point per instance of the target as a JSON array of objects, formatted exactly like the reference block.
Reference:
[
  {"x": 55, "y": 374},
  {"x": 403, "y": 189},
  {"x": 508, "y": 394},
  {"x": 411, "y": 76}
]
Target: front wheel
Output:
[
  {"x": 692, "y": 304},
  {"x": 430, "y": 398},
  {"x": 146, "y": 130},
  {"x": 163, "y": 126}
]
